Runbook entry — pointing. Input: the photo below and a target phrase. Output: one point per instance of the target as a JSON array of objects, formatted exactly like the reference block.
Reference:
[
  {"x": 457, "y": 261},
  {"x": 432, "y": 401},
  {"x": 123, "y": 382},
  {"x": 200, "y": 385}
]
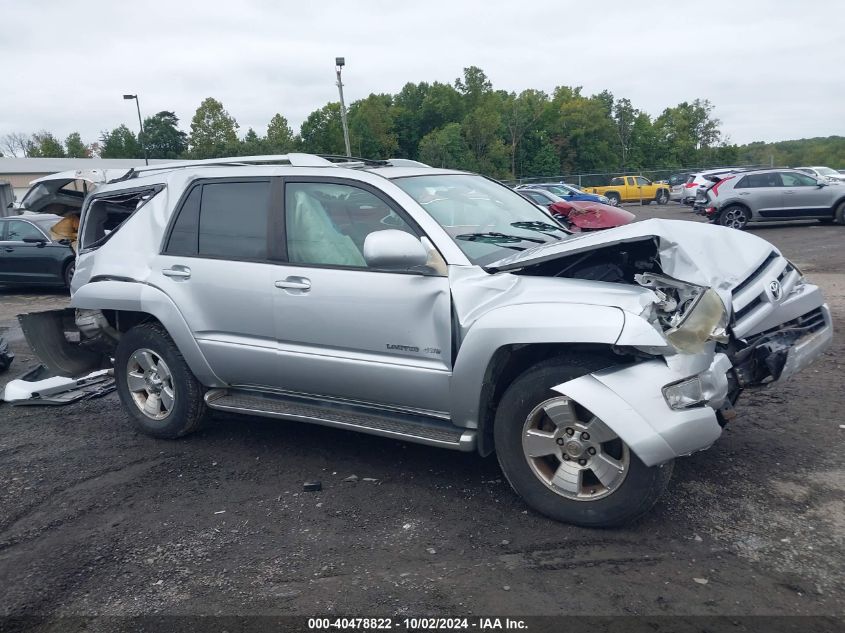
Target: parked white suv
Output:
[{"x": 433, "y": 306}]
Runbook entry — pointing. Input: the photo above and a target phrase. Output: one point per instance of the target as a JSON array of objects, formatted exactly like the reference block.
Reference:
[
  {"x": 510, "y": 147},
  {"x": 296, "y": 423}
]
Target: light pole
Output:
[
  {"x": 339, "y": 63},
  {"x": 140, "y": 123}
]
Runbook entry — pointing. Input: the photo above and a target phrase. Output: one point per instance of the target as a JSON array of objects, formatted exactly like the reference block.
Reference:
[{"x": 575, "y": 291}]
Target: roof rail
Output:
[
  {"x": 353, "y": 161},
  {"x": 295, "y": 159}
]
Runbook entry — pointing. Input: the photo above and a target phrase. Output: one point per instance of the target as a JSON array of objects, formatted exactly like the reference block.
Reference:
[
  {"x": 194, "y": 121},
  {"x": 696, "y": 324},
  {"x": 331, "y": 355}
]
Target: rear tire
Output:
[
  {"x": 735, "y": 217},
  {"x": 662, "y": 197},
  {"x": 156, "y": 387},
  {"x": 582, "y": 498},
  {"x": 613, "y": 199},
  {"x": 67, "y": 273}
]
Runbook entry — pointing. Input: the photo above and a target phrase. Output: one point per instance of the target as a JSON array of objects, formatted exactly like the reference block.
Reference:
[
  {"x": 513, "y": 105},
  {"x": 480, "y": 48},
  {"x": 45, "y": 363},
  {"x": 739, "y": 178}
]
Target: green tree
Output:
[
  {"x": 624, "y": 116},
  {"x": 162, "y": 137},
  {"x": 520, "y": 113},
  {"x": 474, "y": 86},
  {"x": 407, "y": 118},
  {"x": 213, "y": 131},
  {"x": 75, "y": 148},
  {"x": 252, "y": 145},
  {"x": 446, "y": 147},
  {"x": 442, "y": 104},
  {"x": 686, "y": 130},
  {"x": 371, "y": 131},
  {"x": 121, "y": 142},
  {"x": 279, "y": 139},
  {"x": 44, "y": 145},
  {"x": 322, "y": 131}
]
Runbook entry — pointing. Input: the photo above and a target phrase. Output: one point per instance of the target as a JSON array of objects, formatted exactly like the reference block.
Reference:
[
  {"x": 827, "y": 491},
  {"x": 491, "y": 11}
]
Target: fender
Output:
[
  {"x": 630, "y": 401},
  {"x": 523, "y": 324},
  {"x": 140, "y": 297}
]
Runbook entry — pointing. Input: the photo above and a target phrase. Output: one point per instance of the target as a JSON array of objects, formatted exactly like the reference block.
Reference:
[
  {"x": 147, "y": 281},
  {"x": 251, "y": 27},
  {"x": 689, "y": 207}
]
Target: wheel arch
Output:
[
  {"x": 504, "y": 342},
  {"x": 131, "y": 303}
]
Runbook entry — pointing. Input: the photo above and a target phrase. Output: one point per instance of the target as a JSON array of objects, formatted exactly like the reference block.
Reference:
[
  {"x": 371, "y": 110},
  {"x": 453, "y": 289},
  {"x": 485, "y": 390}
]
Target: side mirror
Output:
[
  {"x": 394, "y": 249},
  {"x": 822, "y": 183}
]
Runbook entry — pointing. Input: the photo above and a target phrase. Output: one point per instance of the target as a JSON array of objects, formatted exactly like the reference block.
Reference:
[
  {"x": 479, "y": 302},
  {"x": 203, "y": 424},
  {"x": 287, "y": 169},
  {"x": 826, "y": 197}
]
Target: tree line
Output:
[{"x": 464, "y": 125}]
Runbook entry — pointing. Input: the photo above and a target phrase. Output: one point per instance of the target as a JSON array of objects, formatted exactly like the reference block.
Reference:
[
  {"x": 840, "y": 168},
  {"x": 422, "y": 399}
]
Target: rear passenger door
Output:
[
  {"x": 762, "y": 193},
  {"x": 216, "y": 265},
  {"x": 348, "y": 331},
  {"x": 26, "y": 262}
]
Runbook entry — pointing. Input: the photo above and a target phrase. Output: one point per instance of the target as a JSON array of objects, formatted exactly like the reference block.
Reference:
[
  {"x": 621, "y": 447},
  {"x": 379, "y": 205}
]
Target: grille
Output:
[{"x": 752, "y": 301}]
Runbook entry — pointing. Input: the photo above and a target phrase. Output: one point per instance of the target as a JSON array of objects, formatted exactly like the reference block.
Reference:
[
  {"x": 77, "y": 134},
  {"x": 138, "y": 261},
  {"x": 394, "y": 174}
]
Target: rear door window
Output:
[
  {"x": 233, "y": 220},
  {"x": 18, "y": 231},
  {"x": 227, "y": 220}
]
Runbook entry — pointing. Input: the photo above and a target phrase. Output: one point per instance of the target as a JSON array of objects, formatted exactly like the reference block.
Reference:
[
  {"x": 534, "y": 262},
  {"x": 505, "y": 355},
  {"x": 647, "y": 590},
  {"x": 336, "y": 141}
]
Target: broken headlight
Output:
[
  {"x": 689, "y": 315},
  {"x": 704, "y": 321}
]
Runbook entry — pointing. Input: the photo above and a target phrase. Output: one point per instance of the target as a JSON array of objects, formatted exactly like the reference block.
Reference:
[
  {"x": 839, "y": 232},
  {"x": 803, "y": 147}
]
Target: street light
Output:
[
  {"x": 141, "y": 123},
  {"x": 339, "y": 63}
]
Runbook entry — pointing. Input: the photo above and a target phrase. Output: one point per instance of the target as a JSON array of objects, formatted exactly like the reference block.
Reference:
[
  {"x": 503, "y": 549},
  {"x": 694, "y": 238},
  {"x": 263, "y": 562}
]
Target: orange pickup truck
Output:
[{"x": 632, "y": 189}]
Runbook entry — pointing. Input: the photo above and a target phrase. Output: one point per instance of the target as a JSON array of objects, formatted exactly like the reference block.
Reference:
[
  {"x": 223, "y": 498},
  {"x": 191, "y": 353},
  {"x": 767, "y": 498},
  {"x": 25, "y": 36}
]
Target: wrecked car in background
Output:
[
  {"x": 578, "y": 215},
  {"x": 433, "y": 306}
]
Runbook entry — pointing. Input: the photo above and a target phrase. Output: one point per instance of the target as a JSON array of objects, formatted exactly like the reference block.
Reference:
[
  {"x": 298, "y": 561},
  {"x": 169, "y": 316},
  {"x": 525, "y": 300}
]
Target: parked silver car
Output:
[
  {"x": 433, "y": 306},
  {"x": 772, "y": 195},
  {"x": 823, "y": 173}
]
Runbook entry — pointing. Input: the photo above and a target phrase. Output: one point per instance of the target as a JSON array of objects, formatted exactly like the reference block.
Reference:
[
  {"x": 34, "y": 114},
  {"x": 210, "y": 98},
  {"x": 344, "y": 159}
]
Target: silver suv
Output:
[
  {"x": 772, "y": 195},
  {"x": 432, "y": 306}
]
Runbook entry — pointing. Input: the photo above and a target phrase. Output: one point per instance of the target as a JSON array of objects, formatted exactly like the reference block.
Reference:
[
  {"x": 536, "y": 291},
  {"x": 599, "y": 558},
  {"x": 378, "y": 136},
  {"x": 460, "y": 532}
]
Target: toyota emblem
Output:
[{"x": 775, "y": 289}]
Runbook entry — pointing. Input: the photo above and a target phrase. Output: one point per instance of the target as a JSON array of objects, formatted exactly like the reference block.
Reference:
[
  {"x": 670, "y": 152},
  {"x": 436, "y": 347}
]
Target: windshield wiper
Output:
[
  {"x": 542, "y": 227},
  {"x": 493, "y": 237}
]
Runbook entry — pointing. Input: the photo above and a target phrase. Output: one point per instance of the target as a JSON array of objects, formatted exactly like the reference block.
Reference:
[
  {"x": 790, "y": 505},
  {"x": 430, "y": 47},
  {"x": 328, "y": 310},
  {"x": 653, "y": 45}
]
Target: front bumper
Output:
[{"x": 630, "y": 400}]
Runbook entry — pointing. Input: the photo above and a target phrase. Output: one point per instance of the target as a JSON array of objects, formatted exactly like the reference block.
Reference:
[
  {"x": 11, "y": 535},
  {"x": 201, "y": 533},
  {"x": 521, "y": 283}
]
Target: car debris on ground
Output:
[
  {"x": 6, "y": 355},
  {"x": 39, "y": 387}
]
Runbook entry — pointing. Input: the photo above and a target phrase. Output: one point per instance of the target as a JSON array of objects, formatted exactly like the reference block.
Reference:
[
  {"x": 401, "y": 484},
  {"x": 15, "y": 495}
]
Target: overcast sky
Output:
[{"x": 774, "y": 69}]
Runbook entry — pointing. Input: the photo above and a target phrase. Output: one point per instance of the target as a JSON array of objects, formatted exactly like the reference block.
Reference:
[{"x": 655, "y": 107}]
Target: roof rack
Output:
[
  {"x": 295, "y": 159},
  {"x": 354, "y": 162}
]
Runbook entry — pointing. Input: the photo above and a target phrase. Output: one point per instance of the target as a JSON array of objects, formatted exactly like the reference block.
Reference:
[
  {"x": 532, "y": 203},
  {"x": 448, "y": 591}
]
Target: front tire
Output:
[
  {"x": 839, "y": 216},
  {"x": 155, "y": 384},
  {"x": 735, "y": 217},
  {"x": 563, "y": 461}
]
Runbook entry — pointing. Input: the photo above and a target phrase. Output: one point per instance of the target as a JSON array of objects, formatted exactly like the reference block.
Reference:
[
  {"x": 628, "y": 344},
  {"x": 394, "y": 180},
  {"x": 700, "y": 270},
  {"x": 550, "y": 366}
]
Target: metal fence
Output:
[{"x": 599, "y": 178}]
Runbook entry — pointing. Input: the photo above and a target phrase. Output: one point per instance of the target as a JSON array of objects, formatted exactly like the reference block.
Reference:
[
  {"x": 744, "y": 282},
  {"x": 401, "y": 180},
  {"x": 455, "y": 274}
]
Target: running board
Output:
[{"x": 386, "y": 424}]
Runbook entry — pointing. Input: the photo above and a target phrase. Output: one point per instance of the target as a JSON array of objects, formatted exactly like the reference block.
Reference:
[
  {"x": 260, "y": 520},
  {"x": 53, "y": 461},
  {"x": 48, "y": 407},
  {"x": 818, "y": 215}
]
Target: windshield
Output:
[
  {"x": 827, "y": 171},
  {"x": 487, "y": 220}
]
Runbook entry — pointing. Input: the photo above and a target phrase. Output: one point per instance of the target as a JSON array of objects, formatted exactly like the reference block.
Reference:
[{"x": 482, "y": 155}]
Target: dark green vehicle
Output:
[{"x": 29, "y": 256}]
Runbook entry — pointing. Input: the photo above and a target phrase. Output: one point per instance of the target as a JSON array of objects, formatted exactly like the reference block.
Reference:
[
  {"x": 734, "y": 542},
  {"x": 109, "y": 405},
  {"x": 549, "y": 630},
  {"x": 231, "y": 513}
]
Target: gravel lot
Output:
[{"x": 97, "y": 519}]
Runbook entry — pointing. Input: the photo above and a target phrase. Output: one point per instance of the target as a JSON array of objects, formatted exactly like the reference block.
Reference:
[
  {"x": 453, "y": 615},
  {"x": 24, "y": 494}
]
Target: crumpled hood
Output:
[{"x": 714, "y": 256}]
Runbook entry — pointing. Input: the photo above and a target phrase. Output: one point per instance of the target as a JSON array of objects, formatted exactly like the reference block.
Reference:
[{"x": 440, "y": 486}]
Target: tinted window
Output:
[
  {"x": 642, "y": 181},
  {"x": 327, "y": 224},
  {"x": 184, "y": 237},
  {"x": 538, "y": 197},
  {"x": 797, "y": 180},
  {"x": 19, "y": 231},
  {"x": 615, "y": 182},
  {"x": 753, "y": 181},
  {"x": 233, "y": 220}
]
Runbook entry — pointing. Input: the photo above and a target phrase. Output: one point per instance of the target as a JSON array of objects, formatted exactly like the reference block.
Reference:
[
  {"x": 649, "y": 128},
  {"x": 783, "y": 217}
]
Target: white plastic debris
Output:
[{"x": 24, "y": 390}]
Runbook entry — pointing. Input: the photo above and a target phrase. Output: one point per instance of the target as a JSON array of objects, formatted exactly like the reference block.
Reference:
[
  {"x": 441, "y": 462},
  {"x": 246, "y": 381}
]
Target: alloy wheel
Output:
[
  {"x": 150, "y": 383},
  {"x": 734, "y": 218},
  {"x": 573, "y": 452}
]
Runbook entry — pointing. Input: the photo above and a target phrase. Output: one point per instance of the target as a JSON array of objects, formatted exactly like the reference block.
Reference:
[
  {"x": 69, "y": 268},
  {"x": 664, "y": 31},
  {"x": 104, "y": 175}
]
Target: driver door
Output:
[{"x": 346, "y": 330}]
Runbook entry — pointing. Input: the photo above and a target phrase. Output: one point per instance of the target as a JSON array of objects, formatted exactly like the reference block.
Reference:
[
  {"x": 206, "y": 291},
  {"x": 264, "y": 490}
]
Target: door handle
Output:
[
  {"x": 9, "y": 249},
  {"x": 788, "y": 192},
  {"x": 294, "y": 283},
  {"x": 177, "y": 272}
]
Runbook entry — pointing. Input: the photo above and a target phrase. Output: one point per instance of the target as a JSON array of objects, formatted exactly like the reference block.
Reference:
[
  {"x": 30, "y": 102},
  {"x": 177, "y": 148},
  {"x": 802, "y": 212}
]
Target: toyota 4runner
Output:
[{"x": 432, "y": 306}]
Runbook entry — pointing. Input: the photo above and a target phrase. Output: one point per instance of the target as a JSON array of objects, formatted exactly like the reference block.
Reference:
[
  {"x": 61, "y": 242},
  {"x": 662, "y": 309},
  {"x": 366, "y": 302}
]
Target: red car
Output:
[{"x": 580, "y": 215}]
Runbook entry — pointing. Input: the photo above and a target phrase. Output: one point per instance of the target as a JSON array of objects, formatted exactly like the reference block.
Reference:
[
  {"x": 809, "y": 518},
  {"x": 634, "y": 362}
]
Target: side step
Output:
[{"x": 355, "y": 418}]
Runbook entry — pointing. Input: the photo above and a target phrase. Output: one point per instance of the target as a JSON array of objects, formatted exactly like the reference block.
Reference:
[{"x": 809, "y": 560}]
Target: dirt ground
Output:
[{"x": 97, "y": 519}]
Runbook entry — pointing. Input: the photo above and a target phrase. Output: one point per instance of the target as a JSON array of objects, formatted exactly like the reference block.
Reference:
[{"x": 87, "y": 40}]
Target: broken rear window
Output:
[{"x": 105, "y": 214}]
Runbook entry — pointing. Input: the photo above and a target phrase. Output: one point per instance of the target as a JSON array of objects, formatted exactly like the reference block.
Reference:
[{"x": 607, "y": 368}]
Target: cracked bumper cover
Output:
[{"x": 630, "y": 401}]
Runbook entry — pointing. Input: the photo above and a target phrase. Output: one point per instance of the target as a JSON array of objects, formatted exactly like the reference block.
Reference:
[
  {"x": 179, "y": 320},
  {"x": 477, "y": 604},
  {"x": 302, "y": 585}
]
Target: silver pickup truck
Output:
[{"x": 432, "y": 306}]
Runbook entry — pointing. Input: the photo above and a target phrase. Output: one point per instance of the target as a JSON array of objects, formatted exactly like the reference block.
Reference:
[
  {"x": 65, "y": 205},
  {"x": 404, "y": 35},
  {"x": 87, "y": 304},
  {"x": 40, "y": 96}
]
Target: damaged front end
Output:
[{"x": 726, "y": 312}]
